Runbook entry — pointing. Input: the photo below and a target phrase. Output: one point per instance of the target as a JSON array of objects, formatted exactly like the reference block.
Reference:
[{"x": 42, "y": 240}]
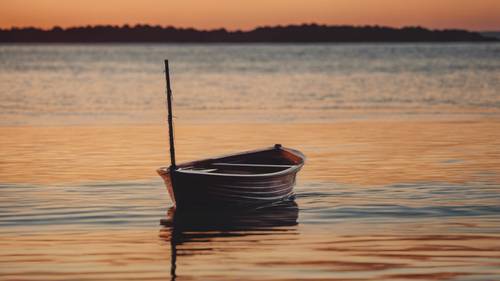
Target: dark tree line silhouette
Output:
[{"x": 290, "y": 33}]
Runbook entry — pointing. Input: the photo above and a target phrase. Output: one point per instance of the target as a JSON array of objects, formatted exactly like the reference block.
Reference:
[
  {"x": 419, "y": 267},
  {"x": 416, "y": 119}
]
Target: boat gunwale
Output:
[{"x": 293, "y": 169}]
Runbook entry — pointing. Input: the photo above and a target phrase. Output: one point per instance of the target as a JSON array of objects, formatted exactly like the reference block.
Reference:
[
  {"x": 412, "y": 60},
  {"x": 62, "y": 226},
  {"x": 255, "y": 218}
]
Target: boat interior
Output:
[{"x": 262, "y": 162}]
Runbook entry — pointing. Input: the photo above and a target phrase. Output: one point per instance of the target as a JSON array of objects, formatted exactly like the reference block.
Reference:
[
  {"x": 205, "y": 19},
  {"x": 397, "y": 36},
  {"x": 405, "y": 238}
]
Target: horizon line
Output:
[{"x": 127, "y": 25}]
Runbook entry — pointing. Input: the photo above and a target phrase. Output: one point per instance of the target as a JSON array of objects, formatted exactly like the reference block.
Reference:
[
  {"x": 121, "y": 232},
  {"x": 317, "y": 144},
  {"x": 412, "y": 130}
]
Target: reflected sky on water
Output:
[{"x": 402, "y": 179}]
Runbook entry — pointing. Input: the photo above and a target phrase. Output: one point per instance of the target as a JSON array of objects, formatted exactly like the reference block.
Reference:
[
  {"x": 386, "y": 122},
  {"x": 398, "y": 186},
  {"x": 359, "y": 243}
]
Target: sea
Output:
[{"x": 401, "y": 181}]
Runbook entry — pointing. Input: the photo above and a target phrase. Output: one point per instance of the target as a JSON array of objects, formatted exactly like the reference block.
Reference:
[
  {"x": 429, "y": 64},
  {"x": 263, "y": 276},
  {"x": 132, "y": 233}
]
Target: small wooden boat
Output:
[
  {"x": 252, "y": 178},
  {"x": 257, "y": 177}
]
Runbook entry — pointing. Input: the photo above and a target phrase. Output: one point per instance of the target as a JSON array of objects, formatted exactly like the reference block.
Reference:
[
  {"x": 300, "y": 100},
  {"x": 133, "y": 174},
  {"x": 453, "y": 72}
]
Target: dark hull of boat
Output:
[
  {"x": 239, "y": 183},
  {"x": 217, "y": 191}
]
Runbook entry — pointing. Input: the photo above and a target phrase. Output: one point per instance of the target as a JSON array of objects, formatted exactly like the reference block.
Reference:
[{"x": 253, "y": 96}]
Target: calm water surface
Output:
[{"x": 402, "y": 180}]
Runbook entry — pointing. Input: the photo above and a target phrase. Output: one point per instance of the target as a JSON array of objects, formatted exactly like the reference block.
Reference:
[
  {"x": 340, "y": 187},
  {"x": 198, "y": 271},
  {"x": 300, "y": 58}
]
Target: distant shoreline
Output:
[{"x": 306, "y": 33}]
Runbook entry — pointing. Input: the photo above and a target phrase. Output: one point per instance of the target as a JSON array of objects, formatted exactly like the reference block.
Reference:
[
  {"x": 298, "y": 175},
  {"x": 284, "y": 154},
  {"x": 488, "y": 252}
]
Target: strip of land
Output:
[{"x": 308, "y": 33}]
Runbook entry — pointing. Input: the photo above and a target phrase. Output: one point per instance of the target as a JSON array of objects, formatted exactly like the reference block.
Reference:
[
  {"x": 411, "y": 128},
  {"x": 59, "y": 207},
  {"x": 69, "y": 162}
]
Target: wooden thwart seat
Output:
[{"x": 251, "y": 165}]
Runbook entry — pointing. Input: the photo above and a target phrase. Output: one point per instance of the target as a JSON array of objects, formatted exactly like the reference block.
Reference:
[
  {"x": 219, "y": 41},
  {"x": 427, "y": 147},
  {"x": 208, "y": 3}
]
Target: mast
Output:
[{"x": 170, "y": 122}]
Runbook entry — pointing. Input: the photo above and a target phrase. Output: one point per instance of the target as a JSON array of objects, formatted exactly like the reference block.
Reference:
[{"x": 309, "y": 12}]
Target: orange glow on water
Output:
[
  {"x": 363, "y": 152},
  {"x": 469, "y": 14}
]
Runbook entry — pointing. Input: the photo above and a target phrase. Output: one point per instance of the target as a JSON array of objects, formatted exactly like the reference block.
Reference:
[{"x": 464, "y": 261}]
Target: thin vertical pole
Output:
[{"x": 170, "y": 122}]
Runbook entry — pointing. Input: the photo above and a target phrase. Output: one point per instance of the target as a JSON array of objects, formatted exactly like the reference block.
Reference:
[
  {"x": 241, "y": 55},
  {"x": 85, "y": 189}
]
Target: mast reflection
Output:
[{"x": 182, "y": 227}]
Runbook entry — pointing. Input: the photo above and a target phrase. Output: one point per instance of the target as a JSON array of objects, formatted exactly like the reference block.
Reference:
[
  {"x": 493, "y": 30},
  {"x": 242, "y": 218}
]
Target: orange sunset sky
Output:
[{"x": 247, "y": 14}]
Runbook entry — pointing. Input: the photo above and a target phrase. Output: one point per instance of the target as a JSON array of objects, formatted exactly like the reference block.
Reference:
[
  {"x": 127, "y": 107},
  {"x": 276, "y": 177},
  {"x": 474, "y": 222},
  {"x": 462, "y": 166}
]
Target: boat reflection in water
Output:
[{"x": 198, "y": 233}]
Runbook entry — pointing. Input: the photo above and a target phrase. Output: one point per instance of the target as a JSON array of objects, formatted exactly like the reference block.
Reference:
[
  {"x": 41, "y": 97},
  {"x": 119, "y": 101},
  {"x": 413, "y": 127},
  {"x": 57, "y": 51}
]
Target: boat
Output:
[
  {"x": 249, "y": 179},
  {"x": 254, "y": 178}
]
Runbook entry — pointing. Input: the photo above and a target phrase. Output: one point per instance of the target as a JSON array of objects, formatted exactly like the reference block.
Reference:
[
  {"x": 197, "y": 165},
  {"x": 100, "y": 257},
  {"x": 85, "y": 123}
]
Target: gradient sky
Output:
[{"x": 247, "y": 14}]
